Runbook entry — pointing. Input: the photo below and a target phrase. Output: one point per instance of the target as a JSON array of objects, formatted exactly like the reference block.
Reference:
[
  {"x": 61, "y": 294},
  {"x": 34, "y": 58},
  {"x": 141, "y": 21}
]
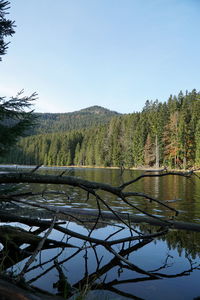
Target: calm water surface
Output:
[{"x": 174, "y": 257}]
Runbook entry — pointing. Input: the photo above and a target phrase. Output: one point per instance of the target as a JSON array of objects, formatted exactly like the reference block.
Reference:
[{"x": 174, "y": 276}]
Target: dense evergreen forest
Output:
[
  {"x": 60, "y": 122},
  {"x": 165, "y": 134}
]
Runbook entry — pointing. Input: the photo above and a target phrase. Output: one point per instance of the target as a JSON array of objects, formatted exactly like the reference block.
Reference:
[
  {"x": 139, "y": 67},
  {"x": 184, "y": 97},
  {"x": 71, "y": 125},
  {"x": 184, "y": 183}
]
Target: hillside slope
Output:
[{"x": 84, "y": 118}]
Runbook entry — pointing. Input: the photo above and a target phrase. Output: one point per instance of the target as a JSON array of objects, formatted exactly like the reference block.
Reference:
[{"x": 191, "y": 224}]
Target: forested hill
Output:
[
  {"x": 164, "y": 133},
  {"x": 84, "y": 118}
]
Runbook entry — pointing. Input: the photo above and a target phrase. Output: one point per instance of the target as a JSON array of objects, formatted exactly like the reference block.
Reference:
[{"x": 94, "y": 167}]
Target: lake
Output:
[{"x": 173, "y": 258}]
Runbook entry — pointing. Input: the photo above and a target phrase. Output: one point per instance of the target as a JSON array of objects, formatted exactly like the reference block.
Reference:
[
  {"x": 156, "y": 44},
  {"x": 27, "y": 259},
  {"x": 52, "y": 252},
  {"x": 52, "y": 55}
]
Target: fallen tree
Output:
[{"x": 92, "y": 188}]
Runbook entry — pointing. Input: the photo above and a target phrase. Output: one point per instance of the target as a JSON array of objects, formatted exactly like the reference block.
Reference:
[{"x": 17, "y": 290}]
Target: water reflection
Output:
[{"x": 174, "y": 259}]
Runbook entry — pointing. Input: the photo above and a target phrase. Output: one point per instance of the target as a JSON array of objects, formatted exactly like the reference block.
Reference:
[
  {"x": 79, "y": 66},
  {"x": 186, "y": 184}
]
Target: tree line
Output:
[{"x": 161, "y": 134}]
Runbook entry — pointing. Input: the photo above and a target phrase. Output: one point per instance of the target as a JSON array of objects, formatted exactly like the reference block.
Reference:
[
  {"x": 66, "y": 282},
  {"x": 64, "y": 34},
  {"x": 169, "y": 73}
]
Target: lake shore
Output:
[{"x": 141, "y": 168}]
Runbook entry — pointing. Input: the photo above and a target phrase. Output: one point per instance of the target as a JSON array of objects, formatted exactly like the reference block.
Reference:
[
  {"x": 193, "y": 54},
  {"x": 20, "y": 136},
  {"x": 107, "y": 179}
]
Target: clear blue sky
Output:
[{"x": 113, "y": 53}]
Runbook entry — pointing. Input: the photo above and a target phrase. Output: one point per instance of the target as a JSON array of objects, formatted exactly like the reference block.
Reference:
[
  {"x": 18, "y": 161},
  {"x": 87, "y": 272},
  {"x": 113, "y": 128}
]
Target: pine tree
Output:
[
  {"x": 14, "y": 118},
  {"x": 149, "y": 154},
  {"x": 197, "y": 142},
  {"x": 6, "y": 27},
  {"x": 170, "y": 140}
]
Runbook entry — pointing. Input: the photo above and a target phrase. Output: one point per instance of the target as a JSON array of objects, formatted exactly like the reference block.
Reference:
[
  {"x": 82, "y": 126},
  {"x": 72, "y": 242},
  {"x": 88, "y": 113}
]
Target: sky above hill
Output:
[{"x": 113, "y": 53}]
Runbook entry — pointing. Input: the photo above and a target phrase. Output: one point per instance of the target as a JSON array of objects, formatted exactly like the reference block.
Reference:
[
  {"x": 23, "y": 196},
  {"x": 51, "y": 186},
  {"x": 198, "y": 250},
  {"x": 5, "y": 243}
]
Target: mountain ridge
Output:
[
  {"x": 84, "y": 118},
  {"x": 91, "y": 109}
]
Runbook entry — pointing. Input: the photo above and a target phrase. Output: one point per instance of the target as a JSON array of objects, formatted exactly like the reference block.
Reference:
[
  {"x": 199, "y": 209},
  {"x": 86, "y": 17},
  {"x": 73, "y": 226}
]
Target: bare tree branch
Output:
[{"x": 37, "y": 250}]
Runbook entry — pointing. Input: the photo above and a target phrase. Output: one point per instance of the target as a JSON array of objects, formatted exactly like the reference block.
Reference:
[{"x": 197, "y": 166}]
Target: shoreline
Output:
[{"x": 142, "y": 168}]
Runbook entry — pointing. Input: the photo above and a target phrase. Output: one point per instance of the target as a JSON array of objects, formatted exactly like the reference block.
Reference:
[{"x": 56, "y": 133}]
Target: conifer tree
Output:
[
  {"x": 6, "y": 27},
  {"x": 197, "y": 142},
  {"x": 16, "y": 115}
]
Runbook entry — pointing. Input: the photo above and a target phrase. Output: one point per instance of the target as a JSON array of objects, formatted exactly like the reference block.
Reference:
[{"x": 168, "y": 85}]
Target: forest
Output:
[
  {"x": 162, "y": 134},
  {"x": 60, "y": 122}
]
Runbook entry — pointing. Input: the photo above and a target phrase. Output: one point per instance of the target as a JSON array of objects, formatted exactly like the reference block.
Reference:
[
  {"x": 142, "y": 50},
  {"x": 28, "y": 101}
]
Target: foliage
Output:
[
  {"x": 14, "y": 119},
  {"x": 6, "y": 27},
  {"x": 15, "y": 114}
]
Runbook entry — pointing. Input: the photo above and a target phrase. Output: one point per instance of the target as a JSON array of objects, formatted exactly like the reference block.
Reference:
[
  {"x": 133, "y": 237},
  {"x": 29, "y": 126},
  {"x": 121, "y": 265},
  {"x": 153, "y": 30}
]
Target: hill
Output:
[{"x": 84, "y": 118}]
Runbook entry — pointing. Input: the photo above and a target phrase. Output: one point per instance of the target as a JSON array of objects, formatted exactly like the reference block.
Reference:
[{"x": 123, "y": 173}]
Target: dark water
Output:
[{"x": 175, "y": 257}]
